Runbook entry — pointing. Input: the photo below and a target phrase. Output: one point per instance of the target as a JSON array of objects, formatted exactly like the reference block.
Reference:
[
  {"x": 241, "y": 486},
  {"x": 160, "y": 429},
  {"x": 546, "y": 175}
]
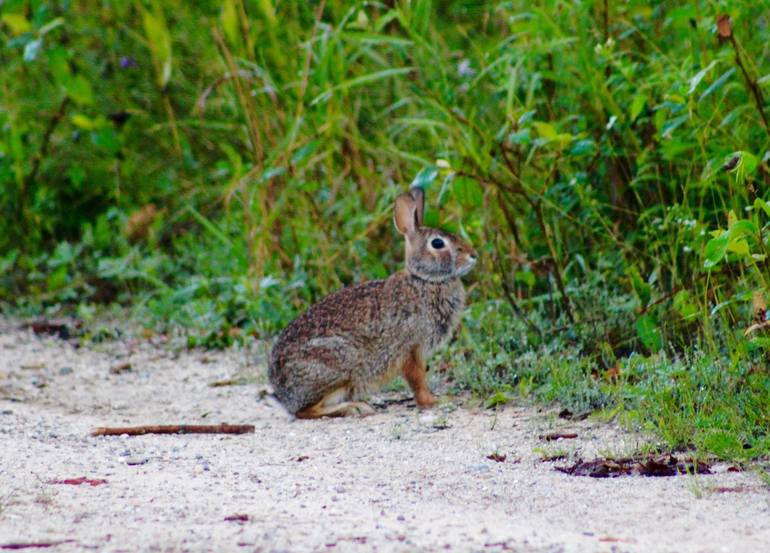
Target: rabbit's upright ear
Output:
[
  {"x": 405, "y": 216},
  {"x": 419, "y": 199}
]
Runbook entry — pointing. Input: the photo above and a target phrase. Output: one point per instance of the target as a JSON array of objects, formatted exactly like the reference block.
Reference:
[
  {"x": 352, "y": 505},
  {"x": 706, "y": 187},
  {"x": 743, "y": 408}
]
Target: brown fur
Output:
[{"x": 365, "y": 335}]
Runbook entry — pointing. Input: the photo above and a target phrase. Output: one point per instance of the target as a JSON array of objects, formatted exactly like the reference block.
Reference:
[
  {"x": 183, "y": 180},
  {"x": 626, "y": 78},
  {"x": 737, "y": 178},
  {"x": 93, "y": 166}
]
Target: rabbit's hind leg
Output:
[{"x": 335, "y": 404}]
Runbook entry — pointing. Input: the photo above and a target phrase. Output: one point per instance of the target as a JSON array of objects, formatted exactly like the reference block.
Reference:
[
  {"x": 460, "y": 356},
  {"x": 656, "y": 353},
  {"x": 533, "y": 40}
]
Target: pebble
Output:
[
  {"x": 136, "y": 460},
  {"x": 478, "y": 469},
  {"x": 65, "y": 371},
  {"x": 428, "y": 418}
]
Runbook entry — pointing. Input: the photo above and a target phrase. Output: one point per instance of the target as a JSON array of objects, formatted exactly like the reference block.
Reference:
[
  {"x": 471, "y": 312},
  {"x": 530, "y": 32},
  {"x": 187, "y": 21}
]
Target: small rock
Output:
[
  {"x": 65, "y": 371},
  {"x": 428, "y": 418},
  {"x": 478, "y": 469},
  {"x": 136, "y": 460}
]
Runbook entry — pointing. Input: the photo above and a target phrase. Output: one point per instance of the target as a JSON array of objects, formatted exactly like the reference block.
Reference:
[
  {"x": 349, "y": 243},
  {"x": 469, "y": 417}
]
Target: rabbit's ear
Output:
[
  {"x": 405, "y": 215},
  {"x": 419, "y": 199}
]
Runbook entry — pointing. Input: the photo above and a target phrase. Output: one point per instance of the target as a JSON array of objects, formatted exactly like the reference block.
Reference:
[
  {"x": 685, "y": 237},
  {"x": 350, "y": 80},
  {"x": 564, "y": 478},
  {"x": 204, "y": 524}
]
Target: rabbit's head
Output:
[{"x": 431, "y": 254}]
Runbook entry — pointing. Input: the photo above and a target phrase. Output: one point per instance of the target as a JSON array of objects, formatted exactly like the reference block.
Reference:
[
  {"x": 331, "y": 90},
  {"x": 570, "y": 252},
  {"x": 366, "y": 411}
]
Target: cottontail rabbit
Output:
[{"x": 365, "y": 335}]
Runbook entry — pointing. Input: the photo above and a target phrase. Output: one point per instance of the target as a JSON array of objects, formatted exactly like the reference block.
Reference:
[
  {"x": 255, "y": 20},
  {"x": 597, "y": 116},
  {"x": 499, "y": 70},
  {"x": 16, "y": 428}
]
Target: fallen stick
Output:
[
  {"x": 175, "y": 429},
  {"x": 34, "y": 545}
]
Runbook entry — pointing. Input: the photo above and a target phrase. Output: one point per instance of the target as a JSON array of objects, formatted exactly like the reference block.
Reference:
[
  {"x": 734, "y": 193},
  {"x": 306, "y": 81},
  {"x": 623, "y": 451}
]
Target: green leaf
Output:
[
  {"x": 305, "y": 151},
  {"x": 749, "y": 162},
  {"x": 32, "y": 49},
  {"x": 582, "y": 147},
  {"x": 648, "y": 332},
  {"x": 695, "y": 81},
  {"x": 83, "y": 122},
  {"x": 268, "y": 11},
  {"x": 425, "y": 177},
  {"x": 545, "y": 130},
  {"x": 498, "y": 398},
  {"x": 670, "y": 126},
  {"x": 637, "y": 105},
  {"x": 8, "y": 261},
  {"x": 715, "y": 251},
  {"x": 741, "y": 228},
  {"x": 57, "y": 279},
  {"x": 79, "y": 89},
  {"x": 375, "y": 39},
  {"x": 229, "y": 18},
  {"x": 58, "y": 64},
  {"x": 739, "y": 247},
  {"x": 159, "y": 42},
  {"x": 716, "y": 85},
  {"x": 682, "y": 305},
  {"x": 519, "y": 137},
  {"x": 760, "y": 203},
  {"x": 527, "y": 278},
  {"x": 16, "y": 22},
  {"x": 643, "y": 290},
  {"x": 50, "y": 26},
  {"x": 106, "y": 139}
]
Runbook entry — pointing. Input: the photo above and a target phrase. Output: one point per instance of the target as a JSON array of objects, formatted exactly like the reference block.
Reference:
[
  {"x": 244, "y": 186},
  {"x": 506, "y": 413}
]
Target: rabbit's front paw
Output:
[{"x": 425, "y": 400}]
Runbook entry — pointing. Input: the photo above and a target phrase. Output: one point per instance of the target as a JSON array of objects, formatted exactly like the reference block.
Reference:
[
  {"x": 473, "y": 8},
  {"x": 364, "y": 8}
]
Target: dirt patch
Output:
[{"x": 457, "y": 478}]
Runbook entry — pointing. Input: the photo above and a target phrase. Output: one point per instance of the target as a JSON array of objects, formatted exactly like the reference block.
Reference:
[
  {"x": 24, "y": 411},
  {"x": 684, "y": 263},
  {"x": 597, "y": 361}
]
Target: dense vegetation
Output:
[{"x": 221, "y": 164}]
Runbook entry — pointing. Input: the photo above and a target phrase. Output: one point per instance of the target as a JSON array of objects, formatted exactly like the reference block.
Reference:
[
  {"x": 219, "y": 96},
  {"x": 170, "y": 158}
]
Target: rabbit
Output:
[{"x": 363, "y": 336}]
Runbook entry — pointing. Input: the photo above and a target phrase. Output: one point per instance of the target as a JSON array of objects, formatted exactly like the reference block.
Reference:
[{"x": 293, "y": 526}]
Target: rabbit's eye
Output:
[{"x": 437, "y": 243}]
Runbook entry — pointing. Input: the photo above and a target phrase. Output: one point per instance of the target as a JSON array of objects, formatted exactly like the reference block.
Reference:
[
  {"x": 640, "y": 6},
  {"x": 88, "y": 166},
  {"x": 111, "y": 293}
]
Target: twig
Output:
[
  {"x": 725, "y": 29},
  {"x": 175, "y": 429},
  {"x": 606, "y": 21},
  {"x": 200, "y": 103},
  {"x": 34, "y": 545}
]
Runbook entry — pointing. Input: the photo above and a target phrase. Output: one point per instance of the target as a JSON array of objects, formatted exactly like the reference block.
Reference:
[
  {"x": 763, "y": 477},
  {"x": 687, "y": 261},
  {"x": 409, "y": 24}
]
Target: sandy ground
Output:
[{"x": 400, "y": 480}]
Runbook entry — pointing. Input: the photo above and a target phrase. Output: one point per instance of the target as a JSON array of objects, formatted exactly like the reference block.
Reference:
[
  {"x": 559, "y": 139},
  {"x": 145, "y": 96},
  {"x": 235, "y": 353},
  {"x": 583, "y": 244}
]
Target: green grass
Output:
[{"x": 221, "y": 165}]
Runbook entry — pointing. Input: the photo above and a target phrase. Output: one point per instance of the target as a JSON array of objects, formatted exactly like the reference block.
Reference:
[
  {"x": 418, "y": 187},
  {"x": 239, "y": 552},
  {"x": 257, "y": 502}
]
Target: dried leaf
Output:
[
  {"x": 55, "y": 327},
  {"x": 79, "y": 481},
  {"x": 237, "y": 518},
  {"x": 139, "y": 222},
  {"x": 724, "y": 26},
  {"x": 121, "y": 368}
]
